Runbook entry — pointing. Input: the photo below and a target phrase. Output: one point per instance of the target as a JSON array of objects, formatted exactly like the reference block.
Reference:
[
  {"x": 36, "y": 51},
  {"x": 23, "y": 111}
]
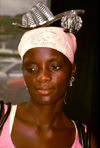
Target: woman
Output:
[{"x": 47, "y": 55}]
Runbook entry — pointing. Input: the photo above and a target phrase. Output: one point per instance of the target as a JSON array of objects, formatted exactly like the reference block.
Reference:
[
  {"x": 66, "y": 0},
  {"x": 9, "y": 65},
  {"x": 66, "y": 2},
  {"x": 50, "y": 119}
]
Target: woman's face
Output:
[{"x": 47, "y": 73}]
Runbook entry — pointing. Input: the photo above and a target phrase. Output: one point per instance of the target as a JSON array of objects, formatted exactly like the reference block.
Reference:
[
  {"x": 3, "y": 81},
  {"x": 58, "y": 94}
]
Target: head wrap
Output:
[{"x": 52, "y": 37}]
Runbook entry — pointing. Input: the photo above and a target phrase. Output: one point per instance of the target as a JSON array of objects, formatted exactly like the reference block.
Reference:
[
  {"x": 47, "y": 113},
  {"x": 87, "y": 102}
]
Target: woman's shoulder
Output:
[
  {"x": 93, "y": 141},
  {"x": 7, "y": 112},
  {"x": 86, "y": 136}
]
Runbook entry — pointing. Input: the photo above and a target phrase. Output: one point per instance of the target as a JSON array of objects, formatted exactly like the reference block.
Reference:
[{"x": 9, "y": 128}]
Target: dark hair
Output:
[{"x": 4, "y": 118}]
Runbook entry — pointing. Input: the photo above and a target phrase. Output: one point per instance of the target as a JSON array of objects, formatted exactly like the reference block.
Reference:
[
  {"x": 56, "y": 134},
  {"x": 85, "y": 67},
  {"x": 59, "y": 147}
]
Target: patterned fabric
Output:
[{"x": 52, "y": 37}]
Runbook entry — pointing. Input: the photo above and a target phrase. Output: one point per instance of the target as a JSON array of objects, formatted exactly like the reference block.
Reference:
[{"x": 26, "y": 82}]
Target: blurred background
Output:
[{"x": 82, "y": 99}]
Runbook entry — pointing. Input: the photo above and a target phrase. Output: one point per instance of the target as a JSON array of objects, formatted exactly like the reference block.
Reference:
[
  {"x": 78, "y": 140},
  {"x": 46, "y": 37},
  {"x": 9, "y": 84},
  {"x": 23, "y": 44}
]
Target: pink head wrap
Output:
[{"x": 52, "y": 37}]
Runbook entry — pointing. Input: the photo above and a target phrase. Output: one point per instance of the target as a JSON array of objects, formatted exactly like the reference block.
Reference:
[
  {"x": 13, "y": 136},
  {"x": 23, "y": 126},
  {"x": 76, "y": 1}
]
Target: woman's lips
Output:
[{"x": 45, "y": 91}]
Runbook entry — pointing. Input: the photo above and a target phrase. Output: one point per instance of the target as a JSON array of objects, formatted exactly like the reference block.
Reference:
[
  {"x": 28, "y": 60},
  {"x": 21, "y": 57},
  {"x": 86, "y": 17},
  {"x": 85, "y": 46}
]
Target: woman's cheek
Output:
[{"x": 61, "y": 81}]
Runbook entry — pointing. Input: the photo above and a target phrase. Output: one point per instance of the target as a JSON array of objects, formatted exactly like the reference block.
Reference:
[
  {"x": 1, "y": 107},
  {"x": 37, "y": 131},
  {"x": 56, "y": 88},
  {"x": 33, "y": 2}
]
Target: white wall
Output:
[{"x": 13, "y": 7}]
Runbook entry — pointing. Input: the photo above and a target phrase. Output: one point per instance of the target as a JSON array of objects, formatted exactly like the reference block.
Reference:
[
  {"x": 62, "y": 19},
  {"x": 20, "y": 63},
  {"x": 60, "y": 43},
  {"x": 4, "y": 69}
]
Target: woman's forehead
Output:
[{"x": 44, "y": 53}]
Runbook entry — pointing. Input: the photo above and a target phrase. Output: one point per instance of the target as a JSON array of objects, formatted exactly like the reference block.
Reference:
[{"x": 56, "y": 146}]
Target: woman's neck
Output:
[{"x": 45, "y": 116}]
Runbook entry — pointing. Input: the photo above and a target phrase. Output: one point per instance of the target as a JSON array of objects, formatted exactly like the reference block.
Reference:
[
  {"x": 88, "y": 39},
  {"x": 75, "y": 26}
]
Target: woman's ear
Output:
[
  {"x": 71, "y": 80},
  {"x": 73, "y": 70}
]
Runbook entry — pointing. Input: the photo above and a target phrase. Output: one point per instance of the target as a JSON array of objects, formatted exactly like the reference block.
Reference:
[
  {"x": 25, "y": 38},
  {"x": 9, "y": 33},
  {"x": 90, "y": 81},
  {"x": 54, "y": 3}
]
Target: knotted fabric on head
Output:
[{"x": 52, "y": 37}]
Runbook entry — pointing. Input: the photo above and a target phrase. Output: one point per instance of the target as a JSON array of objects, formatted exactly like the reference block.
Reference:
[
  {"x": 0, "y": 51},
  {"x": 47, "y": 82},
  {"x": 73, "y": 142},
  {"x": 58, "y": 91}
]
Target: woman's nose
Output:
[{"x": 44, "y": 76}]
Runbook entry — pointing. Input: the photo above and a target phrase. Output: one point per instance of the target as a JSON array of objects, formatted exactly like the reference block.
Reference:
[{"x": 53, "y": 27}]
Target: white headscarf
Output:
[{"x": 52, "y": 37}]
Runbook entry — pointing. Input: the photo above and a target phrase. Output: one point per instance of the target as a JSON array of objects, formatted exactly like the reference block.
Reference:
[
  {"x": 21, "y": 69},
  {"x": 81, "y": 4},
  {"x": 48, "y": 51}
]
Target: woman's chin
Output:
[{"x": 44, "y": 100}]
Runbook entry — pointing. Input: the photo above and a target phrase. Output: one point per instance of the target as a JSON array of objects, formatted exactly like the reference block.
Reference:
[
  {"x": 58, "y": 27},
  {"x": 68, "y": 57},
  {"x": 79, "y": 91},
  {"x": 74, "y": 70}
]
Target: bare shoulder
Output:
[{"x": 93, "y": 141}]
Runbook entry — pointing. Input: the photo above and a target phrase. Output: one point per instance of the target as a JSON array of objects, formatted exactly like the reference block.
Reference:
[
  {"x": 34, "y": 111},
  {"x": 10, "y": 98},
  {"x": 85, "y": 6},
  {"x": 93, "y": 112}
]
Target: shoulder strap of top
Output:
[
  {"x": 84, "y": 134},
  {"x": 12, "y": 116},
  {"x": 8, "y": 109}
]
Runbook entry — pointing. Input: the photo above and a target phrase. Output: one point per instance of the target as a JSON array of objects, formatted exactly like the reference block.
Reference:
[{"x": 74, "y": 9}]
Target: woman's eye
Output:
[
  {"x": 55, "y": 68},
  {"x": 33, "y": 69}
]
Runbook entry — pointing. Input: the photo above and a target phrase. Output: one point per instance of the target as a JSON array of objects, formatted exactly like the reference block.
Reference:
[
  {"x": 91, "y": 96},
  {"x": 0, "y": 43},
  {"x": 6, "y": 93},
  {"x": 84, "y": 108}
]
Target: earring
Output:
[
  {"x": 71, "y": 81},
  {"x": 65, "y": 98},
  {"x": 26, "y": 88},
  {"x": 65, "y": 101},
  {"x": 25, "y": 85}
]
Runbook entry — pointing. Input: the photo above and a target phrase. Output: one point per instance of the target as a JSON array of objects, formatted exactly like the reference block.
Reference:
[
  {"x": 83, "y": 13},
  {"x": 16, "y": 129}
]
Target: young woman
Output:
[{"x": 47, "y": 55}]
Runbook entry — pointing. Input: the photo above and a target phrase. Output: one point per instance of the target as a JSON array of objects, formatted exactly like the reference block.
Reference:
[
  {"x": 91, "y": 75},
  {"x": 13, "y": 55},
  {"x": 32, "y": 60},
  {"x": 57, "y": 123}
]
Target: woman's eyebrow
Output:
[{"x": 29, "y": 62}]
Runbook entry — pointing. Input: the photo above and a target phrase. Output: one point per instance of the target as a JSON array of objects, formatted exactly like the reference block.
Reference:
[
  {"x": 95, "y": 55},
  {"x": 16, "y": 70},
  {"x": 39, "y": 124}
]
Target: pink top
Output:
[{"x": 6, "y": 142}]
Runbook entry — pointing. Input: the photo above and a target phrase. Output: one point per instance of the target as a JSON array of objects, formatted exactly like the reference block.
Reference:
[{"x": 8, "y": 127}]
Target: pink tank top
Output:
[{"x": 6, "y": 142}]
